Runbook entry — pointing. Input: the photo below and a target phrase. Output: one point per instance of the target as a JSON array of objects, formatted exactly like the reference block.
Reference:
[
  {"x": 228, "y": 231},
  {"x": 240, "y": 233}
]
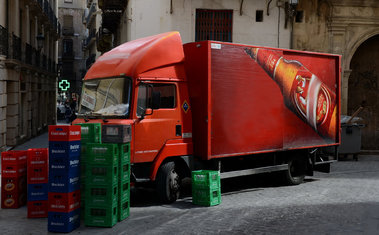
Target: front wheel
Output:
[{"x": 168, "y": 183}]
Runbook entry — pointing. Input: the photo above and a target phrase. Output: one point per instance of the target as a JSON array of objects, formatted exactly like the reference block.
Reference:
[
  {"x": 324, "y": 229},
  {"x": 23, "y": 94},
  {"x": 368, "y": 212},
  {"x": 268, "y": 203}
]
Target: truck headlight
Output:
[{"x": 116, "y": 134}]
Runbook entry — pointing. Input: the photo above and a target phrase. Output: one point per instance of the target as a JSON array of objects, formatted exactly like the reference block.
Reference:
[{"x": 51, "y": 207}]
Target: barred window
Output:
[{"x": 214, "y": 25}]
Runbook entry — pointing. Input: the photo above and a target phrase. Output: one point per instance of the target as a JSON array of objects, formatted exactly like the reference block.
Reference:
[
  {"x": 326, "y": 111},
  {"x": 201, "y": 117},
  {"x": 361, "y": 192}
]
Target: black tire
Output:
[
  {"x": 168, "y": 183},
  {"x": 296, "y": 171}
]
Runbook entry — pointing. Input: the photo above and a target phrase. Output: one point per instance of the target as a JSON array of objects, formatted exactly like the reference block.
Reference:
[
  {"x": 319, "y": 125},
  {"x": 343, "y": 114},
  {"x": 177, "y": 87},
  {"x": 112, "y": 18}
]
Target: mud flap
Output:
[{"x": 322, "y": 167}]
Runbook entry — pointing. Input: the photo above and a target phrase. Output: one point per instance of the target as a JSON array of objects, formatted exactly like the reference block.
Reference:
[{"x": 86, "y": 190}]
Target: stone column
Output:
[
  {"x": 27, "y": 24},
  {"x": 3, "y": 13},
  {"x": 35, "y": 31},
  {"x": 16, "y": 17}
]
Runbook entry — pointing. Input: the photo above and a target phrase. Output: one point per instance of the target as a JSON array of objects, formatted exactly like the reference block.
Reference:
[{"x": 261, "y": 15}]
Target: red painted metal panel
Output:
[
  {"x": 245, "y": 102},
  {"x": 138, "y": 56}
]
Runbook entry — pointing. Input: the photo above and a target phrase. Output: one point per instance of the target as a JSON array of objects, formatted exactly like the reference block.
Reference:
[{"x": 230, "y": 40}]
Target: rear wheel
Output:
[
  {"x": 168, "y": 183},
  {"x": 296, "y": 171}
]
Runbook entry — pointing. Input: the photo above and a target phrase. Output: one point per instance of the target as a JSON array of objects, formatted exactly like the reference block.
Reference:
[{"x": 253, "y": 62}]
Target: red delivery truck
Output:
[{"x": 236, "y": 108}]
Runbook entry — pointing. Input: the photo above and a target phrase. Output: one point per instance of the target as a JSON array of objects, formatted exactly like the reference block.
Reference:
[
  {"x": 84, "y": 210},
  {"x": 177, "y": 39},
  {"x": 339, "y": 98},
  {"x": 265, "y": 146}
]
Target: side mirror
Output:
[
  {"x": 156, "y": 100},
  {"x": 148, "y": 111}
]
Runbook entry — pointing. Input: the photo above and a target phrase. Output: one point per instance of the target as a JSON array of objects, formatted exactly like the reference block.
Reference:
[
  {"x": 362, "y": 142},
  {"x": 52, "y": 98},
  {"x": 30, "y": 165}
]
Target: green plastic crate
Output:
[
  {"x": 123, "y": 209},
  {"x": 83, "y": 167},
  {"x": 101, "y": 175},
  {"x": 125, "y": 172},
  {"x": 124, "y": 190},
  {"x": 206, "y": 179},
  {"x": 124, "y": 153},
  {"x": 83, "y": 150},
  {"x": 102, "y": 154},
  {"x": 82, "y": 208},
  {"x": 90, "y": 132},
  {"x": 206, "y": 197},
  {"x": 101, "y": 216},
  {"x": 101, "y": 194}
]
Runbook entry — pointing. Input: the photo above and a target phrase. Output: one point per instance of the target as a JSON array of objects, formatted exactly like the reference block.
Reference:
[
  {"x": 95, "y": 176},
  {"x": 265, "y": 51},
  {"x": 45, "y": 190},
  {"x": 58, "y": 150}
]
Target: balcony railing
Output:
[
  {"x": 3, "y": 41},
  {"x": 68, "y": 31},
  {"x": 16, "y": 48},
  {"x": 37, "y": 58},
  {"x": 49, "y": 13},
  {"x": 44, "y": 62},
  {"x": 22, "y": 53},
  {"x": 28, "y": 54}
]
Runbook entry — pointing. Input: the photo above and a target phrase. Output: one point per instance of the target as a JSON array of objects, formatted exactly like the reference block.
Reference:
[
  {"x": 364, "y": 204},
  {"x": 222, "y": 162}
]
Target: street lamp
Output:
[{"x": 40, "y": 40}]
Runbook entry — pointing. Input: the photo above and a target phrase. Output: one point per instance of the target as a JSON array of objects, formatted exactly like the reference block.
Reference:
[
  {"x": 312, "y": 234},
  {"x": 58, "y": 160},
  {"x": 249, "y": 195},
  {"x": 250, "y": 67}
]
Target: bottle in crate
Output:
[
  {"x": 101, "y": 175},
  {"x": 90, "y": 132},
  {"x": 101, "y": 194},
  {"x": 101, "y": 216},
  {"x": 102, "y": 154}
]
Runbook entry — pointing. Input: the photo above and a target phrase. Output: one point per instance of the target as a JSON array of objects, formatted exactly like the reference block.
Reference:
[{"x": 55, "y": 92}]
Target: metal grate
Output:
[
  {"x": 214, "y": 25},
  {"x": 28, "y": 53},
  {"x": 16, "y": 47},
  {"x": 3, "y": 41}
]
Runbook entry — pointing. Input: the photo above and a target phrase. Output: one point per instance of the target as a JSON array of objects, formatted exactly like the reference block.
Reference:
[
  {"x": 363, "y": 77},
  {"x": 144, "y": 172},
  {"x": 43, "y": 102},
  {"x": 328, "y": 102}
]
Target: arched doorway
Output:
[{"x": 364, "y": 88}]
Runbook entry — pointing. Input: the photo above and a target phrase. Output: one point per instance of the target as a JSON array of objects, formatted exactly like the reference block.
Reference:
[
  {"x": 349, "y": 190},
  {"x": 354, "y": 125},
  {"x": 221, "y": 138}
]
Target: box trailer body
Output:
[
  {"x": 212, "y": 104},
  {"x": 238, "y": 109}
]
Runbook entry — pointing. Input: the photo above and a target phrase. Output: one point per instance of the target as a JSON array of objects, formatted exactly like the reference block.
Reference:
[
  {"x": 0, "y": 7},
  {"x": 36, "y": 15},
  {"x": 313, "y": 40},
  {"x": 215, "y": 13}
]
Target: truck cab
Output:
[{"x": 142, "y": 85}]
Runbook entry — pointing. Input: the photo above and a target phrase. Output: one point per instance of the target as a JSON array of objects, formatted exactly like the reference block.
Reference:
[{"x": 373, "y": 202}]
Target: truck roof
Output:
[{"x": 139, "y": 56}]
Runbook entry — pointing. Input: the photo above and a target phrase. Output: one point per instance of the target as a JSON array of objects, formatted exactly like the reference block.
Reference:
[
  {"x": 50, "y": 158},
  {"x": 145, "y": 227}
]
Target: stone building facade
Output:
[
  {"x": 29, "y": 30},
  {"x": 70, "y": 48},
  {"x": 349, "y": 28}
]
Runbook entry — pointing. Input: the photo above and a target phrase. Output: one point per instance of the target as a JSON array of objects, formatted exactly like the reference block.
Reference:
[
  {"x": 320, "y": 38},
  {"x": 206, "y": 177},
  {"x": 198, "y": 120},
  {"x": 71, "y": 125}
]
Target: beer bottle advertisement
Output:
[
  {"x": 264, "y": 99},
  {"x": 304, "y": 93}
]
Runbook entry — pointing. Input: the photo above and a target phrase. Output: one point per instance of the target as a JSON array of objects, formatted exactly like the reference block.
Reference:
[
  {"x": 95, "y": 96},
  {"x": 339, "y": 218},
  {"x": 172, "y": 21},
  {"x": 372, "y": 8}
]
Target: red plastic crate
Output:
[
  {"x": 37, "y": 209},
  {"x": 13, "y": 157},
  {"x": 13, "y": 184},
  {"x": 64, "y": 202},
  {"x": 64, "y": 133},
  {"x": 38, "y": 157},
  {"x": 38, "y": 174},
  {"x": 13, "y": 170},
  {"x": 12, "y": 200}
]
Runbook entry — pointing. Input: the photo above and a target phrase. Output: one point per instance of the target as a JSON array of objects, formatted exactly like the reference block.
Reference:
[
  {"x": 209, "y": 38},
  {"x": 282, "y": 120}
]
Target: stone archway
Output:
[{"x": 363, "y": 88}]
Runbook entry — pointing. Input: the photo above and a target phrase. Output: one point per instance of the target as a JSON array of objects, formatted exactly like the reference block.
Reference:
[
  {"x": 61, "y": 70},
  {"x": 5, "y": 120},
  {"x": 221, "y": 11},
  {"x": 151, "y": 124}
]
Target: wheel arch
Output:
[{"x": 178, "y": 151}]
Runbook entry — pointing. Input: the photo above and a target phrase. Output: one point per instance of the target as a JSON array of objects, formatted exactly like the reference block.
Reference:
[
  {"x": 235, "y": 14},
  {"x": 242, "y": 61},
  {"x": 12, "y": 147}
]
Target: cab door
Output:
[{"x": 155, "y": 125}]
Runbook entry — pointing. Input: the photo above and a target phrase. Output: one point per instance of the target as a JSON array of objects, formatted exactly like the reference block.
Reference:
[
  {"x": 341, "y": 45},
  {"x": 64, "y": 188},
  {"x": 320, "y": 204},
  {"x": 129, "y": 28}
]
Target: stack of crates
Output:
[
  {"x": 206, "y": 188},
  {"x": 37, "y": 178},
  {"x": 13, "y": 179},
  {"x": 101, "y": 189},
  {"x": 90, "y": 133},
  {"x": 107, "y": 184},
  {"x": 64, "y": 182},
  {"x": 124, "y": 182}
]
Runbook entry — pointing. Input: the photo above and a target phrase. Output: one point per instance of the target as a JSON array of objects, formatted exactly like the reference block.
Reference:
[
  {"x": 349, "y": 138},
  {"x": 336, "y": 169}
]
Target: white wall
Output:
[{"x": 148, "y": 17}]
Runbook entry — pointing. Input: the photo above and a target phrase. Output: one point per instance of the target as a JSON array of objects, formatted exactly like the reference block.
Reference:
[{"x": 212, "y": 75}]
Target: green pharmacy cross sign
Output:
[{"x": 64, "y": 85}]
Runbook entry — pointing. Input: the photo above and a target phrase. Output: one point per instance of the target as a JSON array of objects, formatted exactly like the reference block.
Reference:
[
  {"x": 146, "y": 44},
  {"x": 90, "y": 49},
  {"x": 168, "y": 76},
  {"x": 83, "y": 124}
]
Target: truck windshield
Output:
[{"x": 105, "y": 97}]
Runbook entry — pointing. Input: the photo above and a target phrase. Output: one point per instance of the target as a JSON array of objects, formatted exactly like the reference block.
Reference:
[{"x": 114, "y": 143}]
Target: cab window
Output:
[{"x": 165, "y": 93}]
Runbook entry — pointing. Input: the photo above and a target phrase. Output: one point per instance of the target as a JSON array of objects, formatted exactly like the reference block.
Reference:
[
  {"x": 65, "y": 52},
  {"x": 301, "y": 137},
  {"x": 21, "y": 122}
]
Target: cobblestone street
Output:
[{"x": 343, "y": 202}]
